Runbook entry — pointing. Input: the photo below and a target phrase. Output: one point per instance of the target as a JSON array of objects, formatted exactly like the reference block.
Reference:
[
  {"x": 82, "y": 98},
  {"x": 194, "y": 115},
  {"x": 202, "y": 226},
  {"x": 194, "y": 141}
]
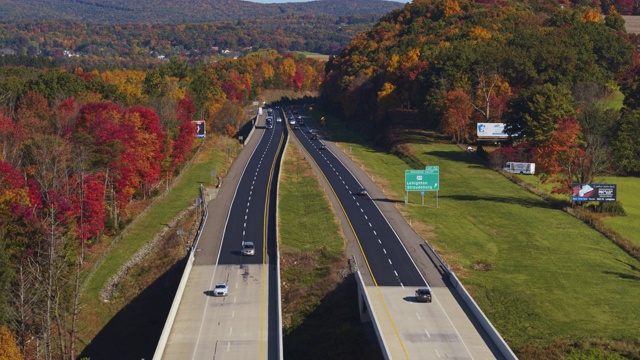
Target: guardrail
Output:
[
  {"x": 162, "y": 343},
  {"x": 497, "y": 339}
]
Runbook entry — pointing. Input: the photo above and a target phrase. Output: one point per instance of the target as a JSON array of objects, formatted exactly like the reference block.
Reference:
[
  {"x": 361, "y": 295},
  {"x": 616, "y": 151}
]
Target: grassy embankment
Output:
[
  {"x": 95, "y": 313},
  {"x": 544, "y": 278},
  {"x": 320, "y": 306}
]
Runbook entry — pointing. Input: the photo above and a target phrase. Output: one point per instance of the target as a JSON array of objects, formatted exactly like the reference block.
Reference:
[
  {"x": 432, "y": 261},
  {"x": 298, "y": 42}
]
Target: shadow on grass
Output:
[
  {"x": 133, "y": 333},
  {"x": 622, "y": 275},
  {"x": 333, "y": 330},
  {"x": 459, "y": 156},
  {"x": 528, "y": 202}
]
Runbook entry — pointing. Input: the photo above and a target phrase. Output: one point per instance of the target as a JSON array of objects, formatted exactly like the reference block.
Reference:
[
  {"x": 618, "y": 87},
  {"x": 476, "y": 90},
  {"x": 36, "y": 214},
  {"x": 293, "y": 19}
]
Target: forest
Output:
[
  {"x": 542, "y": 71},
  {"x": 146, "y": 46},
  {"x": 78, "y": 149}
]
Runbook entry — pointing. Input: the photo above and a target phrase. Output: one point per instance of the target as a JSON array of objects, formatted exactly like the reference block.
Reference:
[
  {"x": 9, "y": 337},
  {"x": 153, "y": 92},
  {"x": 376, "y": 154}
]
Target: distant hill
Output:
[{"x": 179, "y": 11}]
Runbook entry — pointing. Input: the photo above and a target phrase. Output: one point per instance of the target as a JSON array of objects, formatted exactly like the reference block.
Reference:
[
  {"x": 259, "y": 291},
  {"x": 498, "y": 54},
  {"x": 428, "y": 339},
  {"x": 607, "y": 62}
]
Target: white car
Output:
[
  {"x": 248, "y": 248},
  {"x": 279, "y": 119},
  {"x": 221, "y": 289}
]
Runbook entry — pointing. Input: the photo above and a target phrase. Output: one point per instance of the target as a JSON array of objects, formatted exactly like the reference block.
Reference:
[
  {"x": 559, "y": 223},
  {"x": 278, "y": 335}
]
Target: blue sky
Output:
[{"x": 284, "y": 1}]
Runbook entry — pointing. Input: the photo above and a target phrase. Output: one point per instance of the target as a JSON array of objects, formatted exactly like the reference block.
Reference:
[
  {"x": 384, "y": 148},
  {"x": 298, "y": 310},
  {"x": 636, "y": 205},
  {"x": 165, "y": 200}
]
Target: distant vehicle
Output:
[
  {"x": 270, "y": 112},
  {"x": 322, "y": 147},
  {"x": 361, "y": 191},
  {"x": 248, "y": 248},
  {"x": 314, "y": 136},
  {"x": 300, "y": 121},
  {"x": 279, "y": 119},
  {"x": 221, "y": 289},
  {"x": 292, "y": 121},
  {"x": 423, "y": 295},
  {"x": 269, "y": 123},
  {"x": 520, "y": 168},
  {"x": 309, "y": 130}
]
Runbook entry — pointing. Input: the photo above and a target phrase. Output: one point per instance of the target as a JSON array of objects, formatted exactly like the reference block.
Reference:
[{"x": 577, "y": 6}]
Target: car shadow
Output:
[
  {"x": 208, "y": 293},
  {"x": 410, "y": 299}
]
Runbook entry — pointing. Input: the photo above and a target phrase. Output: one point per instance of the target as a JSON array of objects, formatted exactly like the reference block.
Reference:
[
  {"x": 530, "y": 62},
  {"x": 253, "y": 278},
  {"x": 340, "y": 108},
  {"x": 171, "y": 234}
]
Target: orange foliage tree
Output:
[{"x": 457, "y": 115}]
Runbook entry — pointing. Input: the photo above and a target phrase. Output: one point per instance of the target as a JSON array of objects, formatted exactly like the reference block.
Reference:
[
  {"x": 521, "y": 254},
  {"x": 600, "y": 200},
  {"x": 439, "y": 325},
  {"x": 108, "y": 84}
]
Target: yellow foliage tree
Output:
[
  {"x": 480, "y": 33},
  {"x": 591, "y": 15},
  {"x": 129, "y": 84},
  {"x": 8, "y": 347},
  {"x": 451, "y": 7}
]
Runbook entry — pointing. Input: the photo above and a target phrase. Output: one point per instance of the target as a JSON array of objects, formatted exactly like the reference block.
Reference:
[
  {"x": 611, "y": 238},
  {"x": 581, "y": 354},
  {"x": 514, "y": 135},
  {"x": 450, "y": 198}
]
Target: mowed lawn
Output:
[
  {"x": 551, "y": 278},
  {"x": 628, "y": 194}
]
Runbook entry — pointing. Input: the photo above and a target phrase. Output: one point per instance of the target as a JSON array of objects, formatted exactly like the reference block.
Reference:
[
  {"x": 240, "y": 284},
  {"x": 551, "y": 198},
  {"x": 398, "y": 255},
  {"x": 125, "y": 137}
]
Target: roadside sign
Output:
[{"x": 422, "y": 180}]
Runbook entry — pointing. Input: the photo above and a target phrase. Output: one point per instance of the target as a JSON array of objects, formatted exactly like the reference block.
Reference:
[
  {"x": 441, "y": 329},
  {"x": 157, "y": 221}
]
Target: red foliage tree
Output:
[
  {"x": 559, "y": 157},
  {"x": 186, "y": 133},
  {"x": 457, "y": 115}
]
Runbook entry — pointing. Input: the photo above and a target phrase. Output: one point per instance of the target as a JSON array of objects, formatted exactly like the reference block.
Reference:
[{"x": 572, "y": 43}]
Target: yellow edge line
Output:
[
  {"x": 264, "y": 248},
  {"x": 393, "y": 325}
]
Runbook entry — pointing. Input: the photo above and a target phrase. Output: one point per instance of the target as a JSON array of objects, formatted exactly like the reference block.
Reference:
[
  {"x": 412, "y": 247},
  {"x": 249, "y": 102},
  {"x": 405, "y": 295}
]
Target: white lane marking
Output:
[
  {"x": 228, "y": 345},
  {"x": 366, "y": 218},
  {"x": 428, "y": 335},
  {"x": 418, "y": 316},
  {"x": 233, "y": 314},
  {"x": 385, "y": 250},
  {"x": 395, "y": 272},
  {"x": 379, "y": 241},
  {"x": 231, "y": 330},
  {"x": 437, "y": 353},
  {"x": 390, "y": 262},
  {"x": 375, "y": 233},
  {"x": 370, "y": 225},
  {"x": 362, "y": 210},
  {"x": 357, "y": 203}
]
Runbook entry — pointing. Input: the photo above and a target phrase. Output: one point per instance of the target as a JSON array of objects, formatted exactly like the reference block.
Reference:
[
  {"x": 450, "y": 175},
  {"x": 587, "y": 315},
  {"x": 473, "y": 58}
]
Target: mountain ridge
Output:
[{"x": 179, "y": 11}]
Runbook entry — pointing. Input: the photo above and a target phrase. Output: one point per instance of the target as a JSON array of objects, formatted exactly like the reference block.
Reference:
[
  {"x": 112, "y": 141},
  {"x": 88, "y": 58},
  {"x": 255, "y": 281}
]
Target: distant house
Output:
[{"x": 7, "y": 51}]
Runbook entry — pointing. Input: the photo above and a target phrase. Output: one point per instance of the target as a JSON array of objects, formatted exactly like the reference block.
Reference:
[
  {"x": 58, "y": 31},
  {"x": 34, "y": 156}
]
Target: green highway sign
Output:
[{"x": 422, "y": 180}]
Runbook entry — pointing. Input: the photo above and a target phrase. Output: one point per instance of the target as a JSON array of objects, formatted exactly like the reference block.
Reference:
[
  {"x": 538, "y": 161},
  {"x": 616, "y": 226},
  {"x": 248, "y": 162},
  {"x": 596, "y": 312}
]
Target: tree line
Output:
[
  {"x": 77, "y": 149},
  {"x": 540, "y": 70}
]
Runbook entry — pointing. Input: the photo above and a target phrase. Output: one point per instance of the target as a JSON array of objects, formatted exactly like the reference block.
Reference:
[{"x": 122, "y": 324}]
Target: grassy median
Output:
[{"x": 319, "y": 296}]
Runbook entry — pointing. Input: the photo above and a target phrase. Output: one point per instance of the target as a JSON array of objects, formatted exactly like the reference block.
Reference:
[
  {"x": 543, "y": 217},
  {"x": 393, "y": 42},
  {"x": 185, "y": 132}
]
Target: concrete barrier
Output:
[
  {"x": 372, "y": 316},
  {"x": 162, "y": 343}
]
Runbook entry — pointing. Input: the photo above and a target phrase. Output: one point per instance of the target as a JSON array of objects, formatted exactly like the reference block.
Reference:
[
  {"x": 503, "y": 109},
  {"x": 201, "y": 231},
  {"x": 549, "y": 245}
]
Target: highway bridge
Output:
[{"x": 392, "y": 259}]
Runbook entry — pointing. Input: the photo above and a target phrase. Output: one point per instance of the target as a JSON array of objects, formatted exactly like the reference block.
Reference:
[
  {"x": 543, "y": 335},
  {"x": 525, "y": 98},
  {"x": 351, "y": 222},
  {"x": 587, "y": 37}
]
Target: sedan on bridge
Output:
[
  {"x": 221, "y": 289},
  {"x": 423, "y": 295}
]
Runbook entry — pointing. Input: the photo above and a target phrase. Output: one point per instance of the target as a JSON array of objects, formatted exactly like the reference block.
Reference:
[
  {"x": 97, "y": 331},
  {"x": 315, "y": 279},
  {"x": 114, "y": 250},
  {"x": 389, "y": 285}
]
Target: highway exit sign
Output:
[{"x": 422, "y": 180}]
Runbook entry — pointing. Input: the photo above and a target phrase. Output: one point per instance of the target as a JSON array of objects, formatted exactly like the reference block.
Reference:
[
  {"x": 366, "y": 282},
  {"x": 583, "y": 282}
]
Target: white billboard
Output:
[{"x": 491, "y": 131}]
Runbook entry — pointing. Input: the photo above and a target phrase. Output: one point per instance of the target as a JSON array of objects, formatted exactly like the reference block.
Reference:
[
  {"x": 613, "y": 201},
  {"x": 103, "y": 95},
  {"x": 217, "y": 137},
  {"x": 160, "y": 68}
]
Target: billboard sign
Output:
[
  {"x": 593, "y": 192},
  {"x": 422, "y": 180},
  {"x": 201, "y": 129},
  {"x": 491, "y": 131}
]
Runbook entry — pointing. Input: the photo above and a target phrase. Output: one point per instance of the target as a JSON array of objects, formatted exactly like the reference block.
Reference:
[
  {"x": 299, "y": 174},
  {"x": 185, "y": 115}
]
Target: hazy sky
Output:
[{"x": 283, "y": 1}]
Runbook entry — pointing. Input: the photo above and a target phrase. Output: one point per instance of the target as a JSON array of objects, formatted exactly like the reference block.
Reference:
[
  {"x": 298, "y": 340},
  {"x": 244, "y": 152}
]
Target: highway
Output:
[
  {"x": 410, "y": 330},
  {"x": 244, "y": 324}
]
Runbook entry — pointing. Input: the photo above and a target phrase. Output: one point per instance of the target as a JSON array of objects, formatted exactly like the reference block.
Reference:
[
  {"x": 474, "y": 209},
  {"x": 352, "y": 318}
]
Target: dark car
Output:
[
  {"x": 322, "y": 147},
  {"x": 314, "y": 136},
  {"x": 361, "y": 191},
  {"x": 423, "y": 295}
]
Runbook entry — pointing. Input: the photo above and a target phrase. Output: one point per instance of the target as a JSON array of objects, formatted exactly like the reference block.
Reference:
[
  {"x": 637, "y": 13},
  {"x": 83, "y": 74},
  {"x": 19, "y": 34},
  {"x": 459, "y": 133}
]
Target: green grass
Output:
[
  {"x": 180, "y": 197},
  {"x": 628, "y": 194},
  {"x": 613, "y": 102},
  {"x": 306, "y": 222},
  {"x": 553, "y": 277},
  {"x": 321, "y": 57}
]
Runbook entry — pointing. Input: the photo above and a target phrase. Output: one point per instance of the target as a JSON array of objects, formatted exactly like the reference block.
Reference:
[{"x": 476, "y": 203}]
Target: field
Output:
[{"x": 541, "y": 276}]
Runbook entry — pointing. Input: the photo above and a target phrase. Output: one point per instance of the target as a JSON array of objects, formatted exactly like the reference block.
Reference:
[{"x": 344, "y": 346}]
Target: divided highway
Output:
[
  {"x": 245, "y": 323},
  {"x": 444, "y": 328}
]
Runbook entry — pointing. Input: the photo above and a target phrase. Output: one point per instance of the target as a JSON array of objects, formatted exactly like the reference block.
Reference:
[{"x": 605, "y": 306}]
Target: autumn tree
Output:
[
  {"x": 457, "y": 115},
  {"x": 8, "y": 348},
  {"x": 561, "y": 158}
]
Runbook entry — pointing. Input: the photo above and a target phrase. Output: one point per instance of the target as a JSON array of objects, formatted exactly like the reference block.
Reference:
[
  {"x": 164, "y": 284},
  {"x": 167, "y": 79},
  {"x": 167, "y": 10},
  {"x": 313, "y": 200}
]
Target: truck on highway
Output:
[{"x": 520, "y": 168}]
